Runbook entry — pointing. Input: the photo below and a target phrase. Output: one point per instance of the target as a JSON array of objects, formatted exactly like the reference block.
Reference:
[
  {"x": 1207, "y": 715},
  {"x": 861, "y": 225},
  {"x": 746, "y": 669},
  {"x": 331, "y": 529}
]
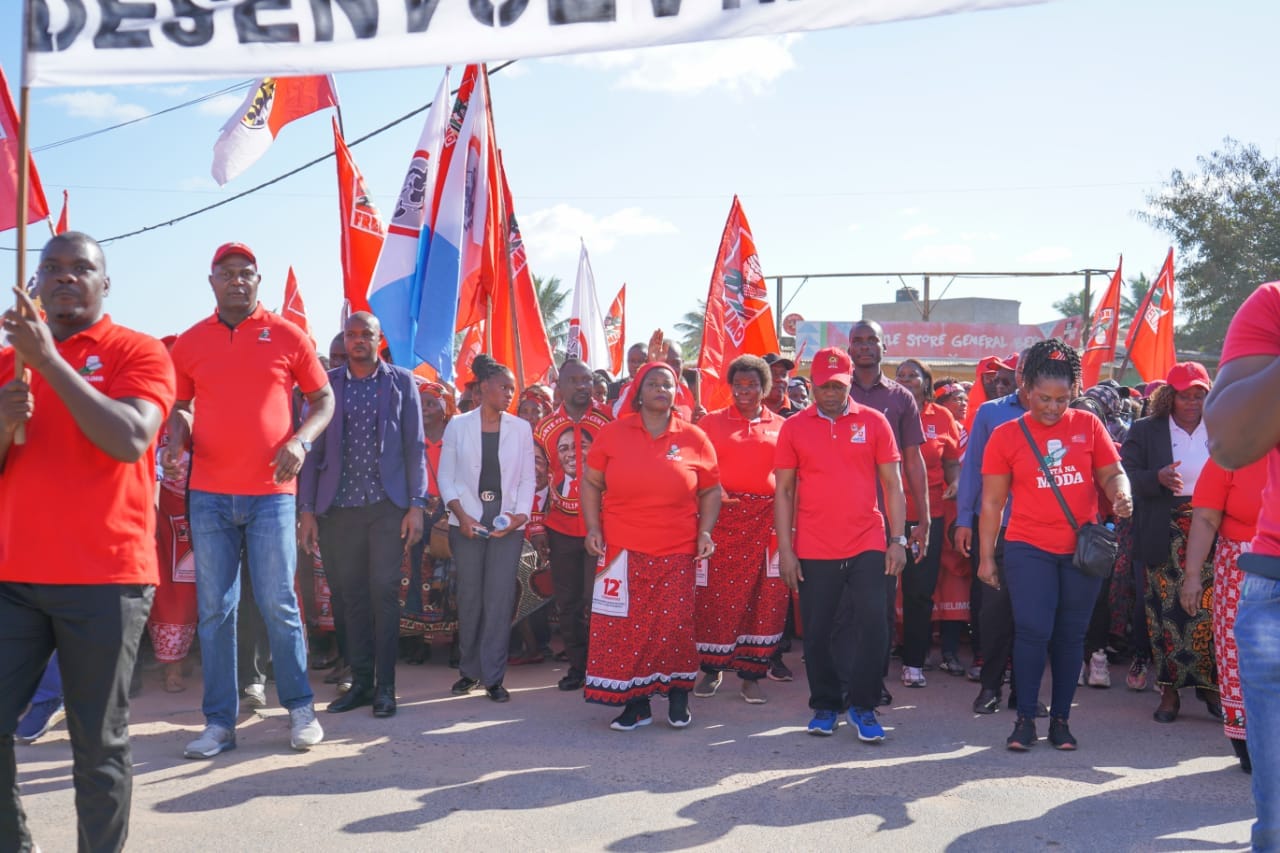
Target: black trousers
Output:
[
  {"x": 96, "y": 629},
  {"x": 918, "y": 582},
  {"x": 996, "y": 621},
  {"x": 573, "y": 574},
  {"x": 841, "y": 608},
  {"x": 362, "y": 552}
]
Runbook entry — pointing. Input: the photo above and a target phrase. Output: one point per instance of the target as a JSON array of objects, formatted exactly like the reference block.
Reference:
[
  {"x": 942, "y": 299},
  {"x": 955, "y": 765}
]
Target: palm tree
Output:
[
  {"x": 551, "y": 302},
  {"x": 690, "y": 329}
]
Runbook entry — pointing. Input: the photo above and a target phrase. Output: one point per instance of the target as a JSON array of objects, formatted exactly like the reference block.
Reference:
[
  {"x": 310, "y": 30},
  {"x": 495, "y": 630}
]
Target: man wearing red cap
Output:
[
  {"x": 834, "y": 553},
  {"x": 237, "y": 369}
]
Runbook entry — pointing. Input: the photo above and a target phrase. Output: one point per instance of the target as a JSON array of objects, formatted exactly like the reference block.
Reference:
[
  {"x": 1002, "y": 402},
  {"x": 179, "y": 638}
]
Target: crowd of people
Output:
[{"x": 375, "y": 515}]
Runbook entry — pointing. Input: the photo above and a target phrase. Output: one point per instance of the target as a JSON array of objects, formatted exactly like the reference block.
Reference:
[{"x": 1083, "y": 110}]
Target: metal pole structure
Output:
[
  {"x": 926, "y": 306},
  {"x": 777, "y": 318},
  {"x": 1088, "y": 307}
]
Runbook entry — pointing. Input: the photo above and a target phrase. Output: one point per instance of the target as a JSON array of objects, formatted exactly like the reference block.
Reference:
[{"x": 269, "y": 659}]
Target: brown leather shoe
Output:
[{"x": 1170, "y": 704}]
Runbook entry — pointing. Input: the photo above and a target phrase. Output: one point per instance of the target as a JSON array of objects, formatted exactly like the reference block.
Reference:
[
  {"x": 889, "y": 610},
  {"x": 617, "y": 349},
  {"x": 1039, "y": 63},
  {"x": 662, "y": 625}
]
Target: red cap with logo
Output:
[
  {"x": 1189, "y": 374},
  {"x": 832, "y": 363},
  {"x": 226, "y": 250}
]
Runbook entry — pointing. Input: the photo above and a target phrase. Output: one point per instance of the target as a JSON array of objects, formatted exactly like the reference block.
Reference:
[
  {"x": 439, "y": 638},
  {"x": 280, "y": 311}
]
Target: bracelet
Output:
[{"x": 706, "y": 533}]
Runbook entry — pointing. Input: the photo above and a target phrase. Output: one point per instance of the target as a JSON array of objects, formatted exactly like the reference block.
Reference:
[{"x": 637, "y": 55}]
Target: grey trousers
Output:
[{"x": 486, "y": 602}]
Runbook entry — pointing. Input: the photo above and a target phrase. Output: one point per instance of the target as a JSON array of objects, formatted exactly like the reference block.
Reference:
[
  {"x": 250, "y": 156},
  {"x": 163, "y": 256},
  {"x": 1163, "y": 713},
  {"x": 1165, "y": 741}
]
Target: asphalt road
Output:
[{"x": 544, "y": 772}]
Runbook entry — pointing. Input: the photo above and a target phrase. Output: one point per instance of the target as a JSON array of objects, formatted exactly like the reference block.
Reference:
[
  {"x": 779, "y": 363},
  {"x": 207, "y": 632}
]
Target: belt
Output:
[{"x": 488, "y": 496}]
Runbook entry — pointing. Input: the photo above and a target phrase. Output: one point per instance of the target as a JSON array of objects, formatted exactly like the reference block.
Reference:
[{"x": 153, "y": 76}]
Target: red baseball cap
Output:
[
  {"x": 832, "y": 363},
  {"x": 1189, "y": 374},
  {"x": 226, "y": 250},
  {"x": 1007, "y": 363}
]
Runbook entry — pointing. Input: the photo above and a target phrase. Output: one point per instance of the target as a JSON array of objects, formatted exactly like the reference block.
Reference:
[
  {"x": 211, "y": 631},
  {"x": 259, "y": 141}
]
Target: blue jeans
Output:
[
  {"x": 1258, "y": 642},
  {"x": 266, "y": 525},
  {"x": 1052, "y": 601}
]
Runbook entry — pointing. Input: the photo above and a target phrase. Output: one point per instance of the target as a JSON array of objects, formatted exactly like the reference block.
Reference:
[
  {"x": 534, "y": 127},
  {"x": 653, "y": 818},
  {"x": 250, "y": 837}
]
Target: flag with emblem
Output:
[
  {"x": 395, "y": 293},
  {"x": 1103, "y": 332},
  {"x": 361, "y": 229},
  {"x": 1150, "y": 342},
  {"x": 615, "y": 331},
  {"x": 293, "y": 308},
  {"x": 587, "y": 339},
  {"x": 738, "y": 319},
  {"x": 37, "y": 207},
  {"x": 272, "y": 103}
]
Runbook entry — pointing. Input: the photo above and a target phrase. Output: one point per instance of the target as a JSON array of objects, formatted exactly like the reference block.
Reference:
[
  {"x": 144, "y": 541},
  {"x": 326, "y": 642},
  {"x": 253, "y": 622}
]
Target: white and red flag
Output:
[
  {"x": 272, "y": 103},
  {"x": 738, "y": 319},
  {"x": 587, "y": 340}
]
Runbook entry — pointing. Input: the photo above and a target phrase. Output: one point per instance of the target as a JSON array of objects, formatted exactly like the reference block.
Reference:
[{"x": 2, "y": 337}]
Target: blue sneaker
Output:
[
  {"x": 824, "y": 723},
  {"x": 39, "y": 719},
  {"x": 869, "y": 728}
]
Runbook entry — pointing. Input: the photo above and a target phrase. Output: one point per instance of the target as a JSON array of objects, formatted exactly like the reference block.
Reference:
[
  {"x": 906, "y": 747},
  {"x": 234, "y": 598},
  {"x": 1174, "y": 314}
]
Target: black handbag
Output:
[{"x": 1096, "y": 544}]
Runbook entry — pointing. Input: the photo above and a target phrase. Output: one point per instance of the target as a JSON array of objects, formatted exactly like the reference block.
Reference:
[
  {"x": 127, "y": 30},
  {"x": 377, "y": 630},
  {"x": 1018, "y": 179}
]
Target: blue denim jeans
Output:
[
  {"x": 1258, "y": 642},
  {"x": 267, "y": 525}
]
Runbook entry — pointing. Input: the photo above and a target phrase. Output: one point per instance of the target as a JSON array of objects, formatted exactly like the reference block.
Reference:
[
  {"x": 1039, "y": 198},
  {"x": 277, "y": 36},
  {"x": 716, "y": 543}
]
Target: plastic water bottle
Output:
[
  {"x": 502, "y": 522},
  {"x": 1111, "y": 525}
]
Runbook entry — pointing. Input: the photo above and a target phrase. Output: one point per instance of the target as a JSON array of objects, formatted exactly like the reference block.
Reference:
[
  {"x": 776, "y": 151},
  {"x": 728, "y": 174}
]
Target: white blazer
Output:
[{"x": 460, "y": 464}]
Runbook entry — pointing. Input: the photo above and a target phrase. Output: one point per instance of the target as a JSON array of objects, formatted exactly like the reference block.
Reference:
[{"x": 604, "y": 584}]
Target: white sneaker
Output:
[
  {"x": 213, "y": 740},
  {"x": 913, "y": 676},
  {"x": 255, "y": 696},
  {"x": 305, "y": 731},
  {"x": 1099, "y": 670}
]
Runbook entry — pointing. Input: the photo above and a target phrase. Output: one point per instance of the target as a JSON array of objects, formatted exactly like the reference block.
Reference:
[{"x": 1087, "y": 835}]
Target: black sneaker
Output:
[
  {"x": 779, "y": 671},
  {"x": 463, "y": 686},
  {"x": 678, "y": 709},
  {"x": 988, "y": 702},
  {"x": 633, "y": 716},
  {"x": 572, "y": 681},
  {"x": 1060, "y": 736},
  {"x": 1024, "y": 735}
]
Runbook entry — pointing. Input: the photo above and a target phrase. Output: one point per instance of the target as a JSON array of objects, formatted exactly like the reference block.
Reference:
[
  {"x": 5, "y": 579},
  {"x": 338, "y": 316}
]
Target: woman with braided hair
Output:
[{"x": 1052, "y": 599}]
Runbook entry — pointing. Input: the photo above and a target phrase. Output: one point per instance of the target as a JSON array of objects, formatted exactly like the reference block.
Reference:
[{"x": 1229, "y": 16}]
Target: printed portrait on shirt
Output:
[{"x": 566, "y": 487}]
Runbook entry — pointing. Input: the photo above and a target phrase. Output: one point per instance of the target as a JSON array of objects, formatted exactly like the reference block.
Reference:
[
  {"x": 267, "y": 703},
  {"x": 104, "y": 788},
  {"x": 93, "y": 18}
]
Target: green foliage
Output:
[
  {"x": 552, "y": 297},
  {"x": 1224, "y": 219},
  {"x": 690, "y": 329}
]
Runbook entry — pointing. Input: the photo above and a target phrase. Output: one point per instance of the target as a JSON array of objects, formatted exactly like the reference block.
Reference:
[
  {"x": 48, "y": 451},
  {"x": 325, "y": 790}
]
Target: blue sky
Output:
[{"x": 1025, "y": 139}]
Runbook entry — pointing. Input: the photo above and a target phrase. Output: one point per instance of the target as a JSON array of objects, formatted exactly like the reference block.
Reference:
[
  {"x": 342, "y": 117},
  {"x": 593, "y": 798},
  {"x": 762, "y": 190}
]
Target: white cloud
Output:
[
  {"x": 979, "y": 236},
  {"x": 917, "y": 232},
  {"x": 223, "y": 106},
  {"x": 97, "y": 105},
  {"x": 909, "y": 211},
  {"x": 944, "y": 255},
  {"x": 554, "y": 232},
  {"x": 855, "y": 227},
  {"x": 747, "y": 65},
  {"x": 1047, "y": 255}
]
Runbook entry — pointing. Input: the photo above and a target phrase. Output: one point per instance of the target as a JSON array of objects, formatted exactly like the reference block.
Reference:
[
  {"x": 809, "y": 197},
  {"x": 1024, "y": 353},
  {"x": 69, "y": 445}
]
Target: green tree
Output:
[
  {"x": 552, "y": 296},
  {"x": 690, "y": 329},
  {"x": 1224, "y": 219}
]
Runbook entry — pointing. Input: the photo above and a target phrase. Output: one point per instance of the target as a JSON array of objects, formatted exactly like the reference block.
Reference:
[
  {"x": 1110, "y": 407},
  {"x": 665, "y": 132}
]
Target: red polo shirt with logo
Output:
[
  {"x": 941, "y": 443},
  {"x": 652, "y": 484},
  {"x": 1074, "y": 448},
  {"x": 69, "y": 513},
  {"x": 836, "y": 462},
  {"x": 564, "y": 513},
  {"x": 241, "y": 382},
  {"x": 744, "y": 448}
]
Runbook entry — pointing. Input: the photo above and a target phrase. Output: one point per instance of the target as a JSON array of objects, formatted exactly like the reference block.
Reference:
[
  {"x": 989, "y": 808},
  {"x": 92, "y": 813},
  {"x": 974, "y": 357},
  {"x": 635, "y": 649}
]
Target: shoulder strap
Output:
[{"x": 1062, "y": 502}]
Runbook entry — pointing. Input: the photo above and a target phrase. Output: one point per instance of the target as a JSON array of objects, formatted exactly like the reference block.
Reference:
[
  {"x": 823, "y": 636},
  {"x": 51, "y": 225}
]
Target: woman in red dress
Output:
[
  {"x": 650, "y": 498},
  {"x": 741, "y": 601}
]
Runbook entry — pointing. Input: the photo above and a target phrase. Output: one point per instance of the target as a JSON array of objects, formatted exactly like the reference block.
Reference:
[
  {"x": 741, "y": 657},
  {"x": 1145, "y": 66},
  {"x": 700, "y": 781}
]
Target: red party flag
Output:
[
  {"x": 37, "y": 207},
  {"x": 1103, "y": 331},
  {"x": 738, "y": 319},
  {"x": 615, "y": 331},
  {"x": 61, "y": 227},
  {"x": 293, "y": 309},
  {"x": 362, "y": 231},
  {"x": 1150, "y": 342}
]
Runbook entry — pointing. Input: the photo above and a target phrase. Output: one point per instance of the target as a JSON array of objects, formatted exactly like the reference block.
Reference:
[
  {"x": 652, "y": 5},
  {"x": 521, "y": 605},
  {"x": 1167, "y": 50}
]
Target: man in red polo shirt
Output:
[
  {"x": 80, "y": 579},
  {"x": 833, "y": 552},
  {"x": 235, "y": 375},
  {"x": 573, "y": 570}
]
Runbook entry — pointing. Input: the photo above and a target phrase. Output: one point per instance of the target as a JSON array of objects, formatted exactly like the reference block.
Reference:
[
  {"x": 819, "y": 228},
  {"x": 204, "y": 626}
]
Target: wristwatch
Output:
[{"x": 898, "y": 540}]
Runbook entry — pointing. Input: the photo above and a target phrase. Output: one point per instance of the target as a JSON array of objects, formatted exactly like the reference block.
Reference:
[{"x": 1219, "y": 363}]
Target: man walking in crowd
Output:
[
  {"x": 235, "y": 372},
  {"x": 871, "y": 388},
  {"x": 573, "y": 570},
  {"x": 780, "y": 370},
  {"x": 366, "y": 481},
  {"x": 82, "y": 578},
  {"x": 835, "y": 554}
]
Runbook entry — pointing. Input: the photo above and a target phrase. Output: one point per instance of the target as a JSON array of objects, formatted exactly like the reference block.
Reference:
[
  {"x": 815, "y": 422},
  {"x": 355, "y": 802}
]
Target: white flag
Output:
[
  {"x": 272, "y": 103},
  {"x": 587, "y": 339}
]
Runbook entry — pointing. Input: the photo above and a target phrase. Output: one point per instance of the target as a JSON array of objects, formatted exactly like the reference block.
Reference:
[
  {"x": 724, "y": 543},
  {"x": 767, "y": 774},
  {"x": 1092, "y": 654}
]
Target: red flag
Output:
[
  {"x": 472, "y": 346},
  {"x": 615, "y": 330},
  {"x": 1150, "y": 342},
  {"x": 293, "y": 309},
  {"x": 1103, "y": 331},
  {"x": 37, "y": 207},
  {"x": 738, "y": 319},
  {"x": 272, "y": 103},
  {"x": 362, "y": 231},
  {"x": 61, "y": 227}
]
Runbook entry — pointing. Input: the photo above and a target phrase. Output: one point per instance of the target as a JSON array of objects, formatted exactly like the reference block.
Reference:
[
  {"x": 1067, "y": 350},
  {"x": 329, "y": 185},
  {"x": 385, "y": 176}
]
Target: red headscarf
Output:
[{"x": 441, "y": 393}]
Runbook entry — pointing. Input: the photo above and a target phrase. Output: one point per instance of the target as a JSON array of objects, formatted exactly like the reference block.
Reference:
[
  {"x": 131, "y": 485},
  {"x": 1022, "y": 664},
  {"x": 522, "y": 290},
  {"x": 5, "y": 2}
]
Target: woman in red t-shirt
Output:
[
  {"x": 649, "y": 498},
  {"x": 741, "y": 604},
  {"x": 954, "y": 592},
  {"x": 941, "y": 452},
  {"x": 1052, "y": 600},
  {"x": 1225, "y": 504}
]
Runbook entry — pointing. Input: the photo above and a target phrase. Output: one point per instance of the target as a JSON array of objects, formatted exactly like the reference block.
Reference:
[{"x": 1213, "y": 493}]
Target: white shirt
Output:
[{"x": 1192, "y": 450}]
